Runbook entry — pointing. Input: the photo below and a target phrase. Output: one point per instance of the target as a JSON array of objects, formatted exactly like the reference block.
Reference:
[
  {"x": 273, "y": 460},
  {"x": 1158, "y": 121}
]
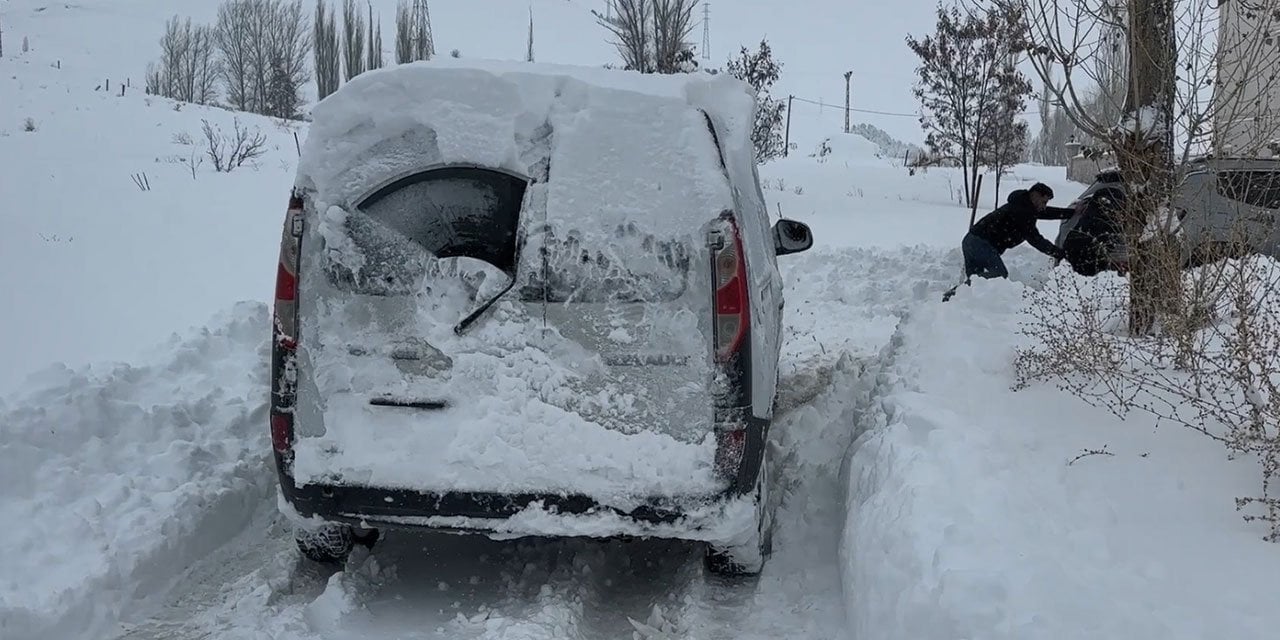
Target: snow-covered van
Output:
[{"x": 522, "y": 299}]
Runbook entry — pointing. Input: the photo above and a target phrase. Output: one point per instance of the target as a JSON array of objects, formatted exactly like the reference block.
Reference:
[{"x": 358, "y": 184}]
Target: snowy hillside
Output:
[{"x": 920, "y": 498}]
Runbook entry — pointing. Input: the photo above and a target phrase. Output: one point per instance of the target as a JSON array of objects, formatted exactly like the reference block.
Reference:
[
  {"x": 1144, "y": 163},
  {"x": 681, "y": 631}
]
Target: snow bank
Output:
[
  {"x": 966, "y": 520},
  {"x": 114, "y": 477}
]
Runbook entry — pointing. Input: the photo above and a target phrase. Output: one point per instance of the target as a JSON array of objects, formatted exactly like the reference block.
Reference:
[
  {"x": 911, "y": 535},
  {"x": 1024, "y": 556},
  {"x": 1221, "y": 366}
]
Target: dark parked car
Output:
[{"x": 1224, "y": 207}]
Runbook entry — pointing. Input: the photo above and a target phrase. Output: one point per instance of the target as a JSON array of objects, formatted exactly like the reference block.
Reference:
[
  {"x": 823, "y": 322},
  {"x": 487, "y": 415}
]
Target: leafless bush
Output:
[
  {"x": 194, "y": 163},
  {"x": 230, "y": 152},
  {"x": 187, "y": 70},
  {"x": 140, "y": 180},
  {"x": 1211, "y": 363},
  {"x": 183, "y": 138},
  {"x": 29, "y": 125}
]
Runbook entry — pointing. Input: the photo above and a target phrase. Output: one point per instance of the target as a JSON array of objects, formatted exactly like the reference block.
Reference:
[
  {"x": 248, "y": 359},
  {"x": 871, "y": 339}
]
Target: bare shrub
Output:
[
  {"x": 1211, "y": 363},
  {"x": 230, "y": 152},
  {"x": 183, "y": 138},
  {"x": 29, "y": 125}
]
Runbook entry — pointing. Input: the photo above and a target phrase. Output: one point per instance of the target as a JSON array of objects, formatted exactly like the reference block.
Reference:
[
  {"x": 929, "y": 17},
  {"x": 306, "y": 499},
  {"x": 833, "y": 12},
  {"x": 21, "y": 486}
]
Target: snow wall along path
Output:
[{"x": 121, "y": 475}]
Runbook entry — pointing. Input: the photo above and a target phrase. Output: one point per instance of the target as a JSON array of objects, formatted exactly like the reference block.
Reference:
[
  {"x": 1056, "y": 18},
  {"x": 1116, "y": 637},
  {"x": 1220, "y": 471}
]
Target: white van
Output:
[{"x": 521, "y": 299}]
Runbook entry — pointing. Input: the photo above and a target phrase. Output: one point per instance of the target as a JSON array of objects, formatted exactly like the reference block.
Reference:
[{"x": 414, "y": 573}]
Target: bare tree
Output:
[
  {"x": 414, "y": 40},
  {"x": 187, "y": 70},
  {"x": 652, "y": 36},
  {"x": 672, "y": 26},
  {"x": 965, "y": 69},
  {"x": 257, "y": 38},
  {"x": 1004, "y": 142},
  {"x": 629, "y": 25},
  {"x": 232, "y": 34},
  {"x": 374, "y": 59},
  {"x": 352, "y": 40},
  {"x": 404, "y": 33},
  {"x": 327, "y": 57},
  {"x": 231, "y": 152}
]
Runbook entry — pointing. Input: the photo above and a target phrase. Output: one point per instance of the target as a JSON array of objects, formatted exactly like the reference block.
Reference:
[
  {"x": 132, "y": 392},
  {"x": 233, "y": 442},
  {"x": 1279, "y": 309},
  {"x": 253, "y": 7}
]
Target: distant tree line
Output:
[{"x": 259, "y": 54}]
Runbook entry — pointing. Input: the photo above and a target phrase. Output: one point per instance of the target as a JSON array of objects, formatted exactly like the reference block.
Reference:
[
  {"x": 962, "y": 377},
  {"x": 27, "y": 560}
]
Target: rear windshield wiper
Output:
[{"x": 472, "y": 317}]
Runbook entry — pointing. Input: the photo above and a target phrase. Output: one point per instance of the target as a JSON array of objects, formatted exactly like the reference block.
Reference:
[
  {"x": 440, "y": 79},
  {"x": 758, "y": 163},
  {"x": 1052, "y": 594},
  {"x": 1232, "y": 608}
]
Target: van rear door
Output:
[{"x": 632, "y": 311}]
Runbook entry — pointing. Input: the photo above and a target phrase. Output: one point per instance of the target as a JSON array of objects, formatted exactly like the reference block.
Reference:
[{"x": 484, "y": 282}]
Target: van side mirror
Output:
[{"x": 790, "y": 237}]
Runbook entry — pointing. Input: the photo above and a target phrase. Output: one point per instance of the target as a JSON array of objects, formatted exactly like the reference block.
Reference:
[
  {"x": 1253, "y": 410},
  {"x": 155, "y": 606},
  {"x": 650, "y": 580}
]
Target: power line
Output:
[{"x": 880, "y": 113}]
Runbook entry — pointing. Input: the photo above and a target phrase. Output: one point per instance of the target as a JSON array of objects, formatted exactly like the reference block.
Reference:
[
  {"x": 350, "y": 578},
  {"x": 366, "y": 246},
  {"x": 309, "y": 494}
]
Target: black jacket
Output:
[{"x": 1015, "y": 223}]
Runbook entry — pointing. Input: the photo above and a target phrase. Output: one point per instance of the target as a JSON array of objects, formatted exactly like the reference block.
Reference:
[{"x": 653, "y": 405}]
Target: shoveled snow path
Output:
[{"x": 842, "y": 308}]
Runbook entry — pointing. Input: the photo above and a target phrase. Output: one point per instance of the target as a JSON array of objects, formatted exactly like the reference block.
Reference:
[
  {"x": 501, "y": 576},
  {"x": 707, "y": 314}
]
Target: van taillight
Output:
[
  {"x": 284, "y": 331},
  {"x": 282, "y": 432},
  {"x": 733, "y": 304},
  {"x": 286, "y": 303}
]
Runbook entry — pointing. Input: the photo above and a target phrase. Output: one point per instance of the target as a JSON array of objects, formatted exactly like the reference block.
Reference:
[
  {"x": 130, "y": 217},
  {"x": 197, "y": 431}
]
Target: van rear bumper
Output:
[{"x": 693, "y": 517}]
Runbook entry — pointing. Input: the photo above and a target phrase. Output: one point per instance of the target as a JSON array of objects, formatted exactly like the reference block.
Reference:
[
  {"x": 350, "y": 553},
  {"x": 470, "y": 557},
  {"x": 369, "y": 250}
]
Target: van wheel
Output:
[
  {"x": 746, "y": 555},
  {"x": 329, "y": 544}
]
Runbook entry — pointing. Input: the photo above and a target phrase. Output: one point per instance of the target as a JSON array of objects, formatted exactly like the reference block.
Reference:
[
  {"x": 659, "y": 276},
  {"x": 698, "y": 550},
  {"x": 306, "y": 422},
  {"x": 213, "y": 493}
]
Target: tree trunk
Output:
[{"x": 1144, "y": 154}]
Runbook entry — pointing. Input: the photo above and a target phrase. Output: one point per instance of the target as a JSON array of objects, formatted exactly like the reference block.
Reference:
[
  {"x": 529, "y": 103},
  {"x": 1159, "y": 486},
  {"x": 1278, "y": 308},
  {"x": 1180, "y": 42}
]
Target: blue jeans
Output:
[{"x": 981, "y": 258}]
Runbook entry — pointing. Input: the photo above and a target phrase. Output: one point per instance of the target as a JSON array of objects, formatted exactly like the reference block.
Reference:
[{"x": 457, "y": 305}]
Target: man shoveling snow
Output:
[{"x": 1007, "y": 227}]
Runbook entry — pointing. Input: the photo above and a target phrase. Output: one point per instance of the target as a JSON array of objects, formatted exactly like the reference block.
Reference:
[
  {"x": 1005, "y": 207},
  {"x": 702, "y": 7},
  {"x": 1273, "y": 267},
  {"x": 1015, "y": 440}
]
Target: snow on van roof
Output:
[{"x": 616, "y": 141}]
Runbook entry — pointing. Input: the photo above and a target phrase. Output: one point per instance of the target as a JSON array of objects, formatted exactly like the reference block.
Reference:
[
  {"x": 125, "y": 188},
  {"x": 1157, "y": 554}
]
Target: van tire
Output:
[
  {"x": 328, "y": 544},
  {"x": 747, "y": 555}
]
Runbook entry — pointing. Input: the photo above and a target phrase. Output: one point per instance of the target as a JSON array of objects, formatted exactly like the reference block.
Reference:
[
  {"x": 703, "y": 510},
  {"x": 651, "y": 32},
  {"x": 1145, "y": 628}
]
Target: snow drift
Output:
[
  {"x": 966, "y": 520},
  {"x": 113, "y": 474}
]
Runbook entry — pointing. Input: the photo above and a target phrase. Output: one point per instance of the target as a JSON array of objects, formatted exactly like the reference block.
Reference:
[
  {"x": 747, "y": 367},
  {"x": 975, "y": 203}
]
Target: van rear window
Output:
[
  {"x": 622, "y": 266},
  {"x": 405, "y": 227}
]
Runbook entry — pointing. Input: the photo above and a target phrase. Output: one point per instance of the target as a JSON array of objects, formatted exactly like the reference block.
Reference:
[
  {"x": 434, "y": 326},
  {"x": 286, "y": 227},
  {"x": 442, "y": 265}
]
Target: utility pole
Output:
[
  {"x": 786, "y": 140},
  {"x": 706, "y": 30},
  {"x": 847, "y": 76},
  {"x": 528, "y": 56}
]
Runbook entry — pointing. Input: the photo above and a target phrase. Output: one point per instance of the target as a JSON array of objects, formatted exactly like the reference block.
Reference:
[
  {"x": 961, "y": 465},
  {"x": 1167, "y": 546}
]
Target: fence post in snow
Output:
[{"x": 786, "y": 140}]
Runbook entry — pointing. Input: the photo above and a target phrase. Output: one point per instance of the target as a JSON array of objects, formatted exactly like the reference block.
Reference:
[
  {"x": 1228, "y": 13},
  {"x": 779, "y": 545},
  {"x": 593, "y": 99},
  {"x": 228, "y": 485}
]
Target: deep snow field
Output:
[{"x": 920, "y": 498}]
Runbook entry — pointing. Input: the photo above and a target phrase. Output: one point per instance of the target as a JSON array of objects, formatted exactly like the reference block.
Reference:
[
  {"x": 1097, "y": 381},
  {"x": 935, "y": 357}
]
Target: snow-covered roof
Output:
[{"x": 606, "y": 130}]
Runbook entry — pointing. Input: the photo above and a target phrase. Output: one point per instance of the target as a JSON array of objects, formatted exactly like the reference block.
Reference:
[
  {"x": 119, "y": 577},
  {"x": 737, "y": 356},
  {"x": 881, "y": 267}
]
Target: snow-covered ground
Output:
[{"x": 919, "y": 497}]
